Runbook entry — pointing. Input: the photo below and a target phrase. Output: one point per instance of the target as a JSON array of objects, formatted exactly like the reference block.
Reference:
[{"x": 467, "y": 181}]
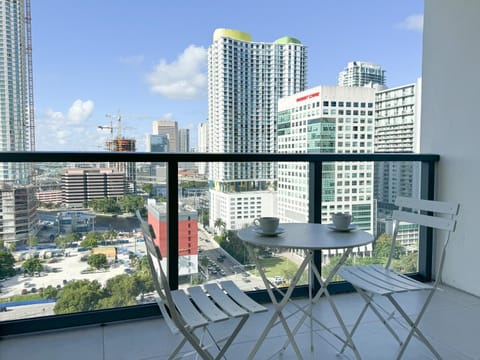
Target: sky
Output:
[{"x": 146, "y": 60}]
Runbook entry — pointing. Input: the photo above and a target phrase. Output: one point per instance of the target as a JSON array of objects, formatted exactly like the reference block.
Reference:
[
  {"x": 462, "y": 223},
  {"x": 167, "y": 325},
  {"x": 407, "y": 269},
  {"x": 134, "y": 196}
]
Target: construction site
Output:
[{"x": 119, "y": 143}]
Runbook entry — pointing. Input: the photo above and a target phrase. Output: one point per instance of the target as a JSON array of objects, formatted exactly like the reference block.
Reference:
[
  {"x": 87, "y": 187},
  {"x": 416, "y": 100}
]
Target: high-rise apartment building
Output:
[
  {"x": 184, "y": 140},
  {"x": 170, "y": 130},
  {"x": 202, "y": 135},
  {"x": 360, "y": 73},
  {"x": 327, "y": 119},
  {"x": 245, "y": 81},
  {"x": 397, "y": 129},
  {"x": 17, "y": 198}
]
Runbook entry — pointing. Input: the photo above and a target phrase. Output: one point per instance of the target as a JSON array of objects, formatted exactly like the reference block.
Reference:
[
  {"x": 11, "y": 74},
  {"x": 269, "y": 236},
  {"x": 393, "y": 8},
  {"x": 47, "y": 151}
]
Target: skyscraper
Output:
[
  {"x": 360, "y": 73},
  {"x": 169, "y": 129},
  {"x": 245, "y": 81},
  {"x": 184, "y": 140},
  {"x": 397, "y": 129},
  {"x": 202, "y": 145},
  {"x": 17, "y": 198}
]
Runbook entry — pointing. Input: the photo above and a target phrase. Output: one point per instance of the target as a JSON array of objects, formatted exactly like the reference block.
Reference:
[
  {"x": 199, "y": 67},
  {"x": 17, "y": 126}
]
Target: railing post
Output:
[
  {"x": 315, "y": 213},
  {"x": 425, "y": 241},
  {"x": 172, "y": 224}
]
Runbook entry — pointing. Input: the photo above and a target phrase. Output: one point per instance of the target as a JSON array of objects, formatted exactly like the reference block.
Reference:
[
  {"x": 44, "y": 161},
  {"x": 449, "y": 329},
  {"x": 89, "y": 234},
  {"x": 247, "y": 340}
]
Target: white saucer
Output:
[
  {"x": 350, "y": 228},
  {"x": 277, "y": 232}
]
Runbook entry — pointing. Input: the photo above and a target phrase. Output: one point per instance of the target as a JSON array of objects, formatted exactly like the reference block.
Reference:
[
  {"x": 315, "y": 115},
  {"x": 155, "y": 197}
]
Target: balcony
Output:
[
  {"x": 449, "y": 128},
  {"x": 452, "y": 322},
  {"x": 109, "y": 327}
]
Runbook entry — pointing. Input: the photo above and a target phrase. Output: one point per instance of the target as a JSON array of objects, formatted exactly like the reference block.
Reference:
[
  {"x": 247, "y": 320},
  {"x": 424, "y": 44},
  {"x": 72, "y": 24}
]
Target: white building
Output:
[
  {"x": 397, "y": 124},
  {"x": 241, "y": 208},
  {"x": 327, "y": 119},
  {"x": 361, "y": 73},
  {"x": 245, "y": 81},
  {"x": 17, "y": 197},
  {"x": 202, "y": 145}
]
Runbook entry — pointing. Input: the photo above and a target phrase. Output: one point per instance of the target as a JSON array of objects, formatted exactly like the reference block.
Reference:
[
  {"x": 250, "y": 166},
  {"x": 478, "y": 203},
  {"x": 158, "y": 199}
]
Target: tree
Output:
[
  {"x": 105, "y": 205},
  {"x": 406, "y": 264},
  {"x": 131, "y": 203},
  {"x": 50, "y": 292},
  {"x": 98, "y": 261},
  {"x": 78, "y": 295},
  {"x": 121, "y": 290},
  {"x": 91, "y": 240},
  {"x": 32, "y": 266},
  {"x": 32, "y": 241},
  {"x": 64, "y": 241},
  {"x": 110, "y": 235},
  {"x": 6, "y": 264},
  {"x": 143, "y": 276},
  {"x": 219, "y": 224},
  {"x": 148, "y": 188},
  {"x": 382, "y": 247},
  {"x": 204, "y": 217}
]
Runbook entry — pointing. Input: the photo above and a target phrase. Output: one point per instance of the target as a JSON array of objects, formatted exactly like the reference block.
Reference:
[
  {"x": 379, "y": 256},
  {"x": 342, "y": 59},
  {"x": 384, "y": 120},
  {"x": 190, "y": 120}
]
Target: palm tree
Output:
[{"x": 219, "y": 224}]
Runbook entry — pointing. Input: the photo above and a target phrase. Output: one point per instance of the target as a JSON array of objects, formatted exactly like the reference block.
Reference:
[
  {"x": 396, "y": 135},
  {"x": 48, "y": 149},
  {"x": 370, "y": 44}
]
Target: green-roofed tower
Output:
[{"x": 245, "y": 80}]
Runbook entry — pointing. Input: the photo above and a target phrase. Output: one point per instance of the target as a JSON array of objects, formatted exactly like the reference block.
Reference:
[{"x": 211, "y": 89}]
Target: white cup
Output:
[
  {"x": 268, "y": 225},
  {"x": 341, "y": 221}
]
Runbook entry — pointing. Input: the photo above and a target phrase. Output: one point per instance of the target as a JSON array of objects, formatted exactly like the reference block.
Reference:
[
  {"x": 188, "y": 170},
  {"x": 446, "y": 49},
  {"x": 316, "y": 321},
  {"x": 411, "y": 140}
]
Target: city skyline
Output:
[{"x": 148, "y": 61}]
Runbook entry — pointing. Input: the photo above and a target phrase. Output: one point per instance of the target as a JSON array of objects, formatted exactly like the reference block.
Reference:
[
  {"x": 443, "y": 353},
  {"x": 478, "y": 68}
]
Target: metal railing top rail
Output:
[{"x": 65, "y": 156}]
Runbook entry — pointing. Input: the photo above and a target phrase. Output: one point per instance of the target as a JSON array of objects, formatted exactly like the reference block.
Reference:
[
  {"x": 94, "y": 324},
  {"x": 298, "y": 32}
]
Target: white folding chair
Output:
[
  {"x": 191, "y": 312},
  {"x": 374, "y": 280}
]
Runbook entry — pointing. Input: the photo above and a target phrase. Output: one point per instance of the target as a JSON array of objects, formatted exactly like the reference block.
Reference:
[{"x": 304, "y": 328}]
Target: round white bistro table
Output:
[{"x": 308, "y": 237}]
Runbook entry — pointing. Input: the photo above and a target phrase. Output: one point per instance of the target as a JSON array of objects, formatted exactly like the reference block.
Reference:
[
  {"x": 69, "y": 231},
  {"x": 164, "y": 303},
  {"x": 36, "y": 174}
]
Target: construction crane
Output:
[
  {"x": 119, "y": 118},
  {"x": 111, "y": 127}
]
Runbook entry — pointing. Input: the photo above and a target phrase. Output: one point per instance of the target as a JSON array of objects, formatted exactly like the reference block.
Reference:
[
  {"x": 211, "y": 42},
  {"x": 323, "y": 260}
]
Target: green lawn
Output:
[
  {"x": 279, "y": 266},
  {"x": 21, "y": 298}
]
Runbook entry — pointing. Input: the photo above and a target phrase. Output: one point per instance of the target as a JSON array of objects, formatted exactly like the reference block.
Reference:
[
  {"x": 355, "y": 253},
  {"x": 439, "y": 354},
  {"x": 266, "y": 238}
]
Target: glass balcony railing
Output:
[{"x": 72, "y": 253}]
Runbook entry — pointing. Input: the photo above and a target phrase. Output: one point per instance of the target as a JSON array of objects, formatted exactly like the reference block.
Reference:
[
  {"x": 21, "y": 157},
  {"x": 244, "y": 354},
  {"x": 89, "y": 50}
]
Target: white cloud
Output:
[
  {"x": 80, "y": 111},
  {"x": 412, "y": 22},
  {"x": 71, "y": 131},
  {"x": 185, "y": 78}
]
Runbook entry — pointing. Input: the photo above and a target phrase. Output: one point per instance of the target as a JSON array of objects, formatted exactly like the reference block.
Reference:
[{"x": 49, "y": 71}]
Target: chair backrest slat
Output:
[
  {"x": 427, "y": 205},
  {"x": 425, "y": 220},
  {"x": 433, "y": 214}
]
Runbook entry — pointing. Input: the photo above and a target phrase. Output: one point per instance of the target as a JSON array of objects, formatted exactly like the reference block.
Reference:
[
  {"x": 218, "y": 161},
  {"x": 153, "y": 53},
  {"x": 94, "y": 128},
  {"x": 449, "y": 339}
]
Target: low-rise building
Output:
[{"x": 82, "y": 185}]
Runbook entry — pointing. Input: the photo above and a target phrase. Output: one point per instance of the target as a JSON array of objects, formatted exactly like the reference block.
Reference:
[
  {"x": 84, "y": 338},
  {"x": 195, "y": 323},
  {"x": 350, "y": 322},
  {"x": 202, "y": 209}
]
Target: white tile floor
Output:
[{"x": 452, "y": 323}]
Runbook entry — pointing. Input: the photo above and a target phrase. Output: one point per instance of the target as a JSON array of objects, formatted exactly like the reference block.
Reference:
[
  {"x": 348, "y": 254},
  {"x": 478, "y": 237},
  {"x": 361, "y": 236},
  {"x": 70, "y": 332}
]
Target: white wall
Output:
[{"x": 451, "y": 125}]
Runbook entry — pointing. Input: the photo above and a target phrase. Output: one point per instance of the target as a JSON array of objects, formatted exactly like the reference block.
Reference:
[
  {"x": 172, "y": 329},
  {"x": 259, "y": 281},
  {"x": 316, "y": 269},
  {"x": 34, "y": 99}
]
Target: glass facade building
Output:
[
  {"x": 327, "y": 119},
  {"x": 17, "y": 197}
]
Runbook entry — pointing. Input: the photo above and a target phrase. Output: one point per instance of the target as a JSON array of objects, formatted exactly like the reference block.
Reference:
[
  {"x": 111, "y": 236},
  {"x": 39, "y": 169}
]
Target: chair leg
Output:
[
  {"x": 177, "y": 349},
  {"x": 350, "y": 335},
  {"x": 232, "y": 337},
  {"x": 414, "y": 330},
  {"x": 197, "y": 344}
]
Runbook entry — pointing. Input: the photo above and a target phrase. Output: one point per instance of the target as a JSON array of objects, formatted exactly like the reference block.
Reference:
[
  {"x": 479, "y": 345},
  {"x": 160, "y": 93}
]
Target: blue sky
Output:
[{"x": 146, "y": 59}]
